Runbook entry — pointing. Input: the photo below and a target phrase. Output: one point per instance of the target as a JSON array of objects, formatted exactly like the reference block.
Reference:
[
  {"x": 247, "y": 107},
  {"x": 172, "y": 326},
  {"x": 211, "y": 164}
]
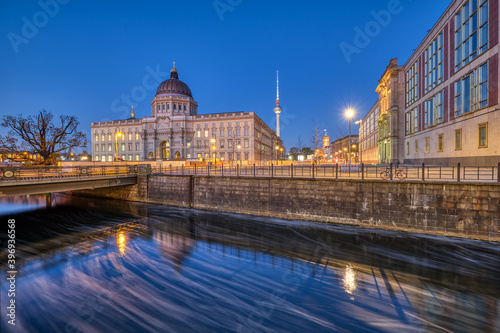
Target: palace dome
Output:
[{"x": 174, "y": 85}]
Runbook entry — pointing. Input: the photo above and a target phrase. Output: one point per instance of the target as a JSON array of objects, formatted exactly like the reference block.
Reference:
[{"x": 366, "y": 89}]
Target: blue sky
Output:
[{"x": 84, "y": 57}]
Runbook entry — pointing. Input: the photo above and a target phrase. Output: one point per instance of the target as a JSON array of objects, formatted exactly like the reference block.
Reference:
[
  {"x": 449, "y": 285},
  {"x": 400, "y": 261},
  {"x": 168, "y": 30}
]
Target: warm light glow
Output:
[
  {"x": 213, "y": 140},
  {"x": 122, "y": 242},
  {"x": 239, "y": 147},
  {"x": 119, "y": 134},
  {"x": 349, "y": 113},
  {"x": 349, "y": 280},
  {"x": 213, "y": 147},
  {"x": 345, "y": 149},
  {"x": 277, "y": 147},
  {"x": 353, "y": 146}
]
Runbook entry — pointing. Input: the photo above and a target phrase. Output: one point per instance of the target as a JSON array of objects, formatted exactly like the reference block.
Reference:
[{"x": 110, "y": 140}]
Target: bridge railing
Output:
[
  {"x": 389, "y": 172},
  {"x": 25, "y": 173}
]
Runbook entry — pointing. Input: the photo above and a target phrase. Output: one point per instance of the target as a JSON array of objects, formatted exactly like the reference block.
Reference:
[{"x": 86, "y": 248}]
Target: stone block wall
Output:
[{"x": 461, "y": 209}]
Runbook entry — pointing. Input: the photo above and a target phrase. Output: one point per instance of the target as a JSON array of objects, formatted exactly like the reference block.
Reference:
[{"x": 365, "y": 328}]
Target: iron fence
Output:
[
  {"x": 399, "y": 173},
  {"x": 25, "y": 173}
]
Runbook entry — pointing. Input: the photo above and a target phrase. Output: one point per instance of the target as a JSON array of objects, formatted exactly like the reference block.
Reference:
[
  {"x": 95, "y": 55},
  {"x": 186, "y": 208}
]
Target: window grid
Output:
[
  {"x": 412, "y": 84},
  {"x": 434, "y": 63}
]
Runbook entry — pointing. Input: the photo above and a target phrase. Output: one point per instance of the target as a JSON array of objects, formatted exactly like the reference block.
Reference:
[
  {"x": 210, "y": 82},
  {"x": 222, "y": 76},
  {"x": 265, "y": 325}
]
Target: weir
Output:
[{"x": 470, "y": 210}]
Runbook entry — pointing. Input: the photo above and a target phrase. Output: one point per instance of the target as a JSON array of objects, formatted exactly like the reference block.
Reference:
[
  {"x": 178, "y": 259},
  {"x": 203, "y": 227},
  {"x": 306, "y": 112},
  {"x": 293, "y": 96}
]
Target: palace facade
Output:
[{"x": 175, "y": 131}]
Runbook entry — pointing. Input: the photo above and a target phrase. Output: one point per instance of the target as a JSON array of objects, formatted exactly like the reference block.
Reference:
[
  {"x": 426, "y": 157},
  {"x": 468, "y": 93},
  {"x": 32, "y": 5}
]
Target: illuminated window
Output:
[
  {"x": 483, "y": 135},
  {"x": 427, "y": 145},
  {"x": 440, "y": 143},
  {"x": 471, "y": 92},
  {"x": 416, "y": 147},
  {"x": 411, "y": 121},
  {"x": 433, "y": 114}
]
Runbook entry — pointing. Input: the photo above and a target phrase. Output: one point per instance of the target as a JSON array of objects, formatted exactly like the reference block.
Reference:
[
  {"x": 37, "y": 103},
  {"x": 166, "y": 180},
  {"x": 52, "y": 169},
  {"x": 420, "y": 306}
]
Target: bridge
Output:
[{"x": 37, "y": 180}]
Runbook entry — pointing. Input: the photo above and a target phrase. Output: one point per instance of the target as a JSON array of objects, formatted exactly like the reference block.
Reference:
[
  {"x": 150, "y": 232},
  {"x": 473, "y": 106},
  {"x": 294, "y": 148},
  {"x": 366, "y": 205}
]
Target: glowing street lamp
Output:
[{"x": 349, "y": 114}]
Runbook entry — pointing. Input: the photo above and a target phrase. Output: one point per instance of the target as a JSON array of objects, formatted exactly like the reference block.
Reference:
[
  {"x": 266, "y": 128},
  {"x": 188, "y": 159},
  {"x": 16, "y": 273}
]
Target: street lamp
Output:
[
  {"x": 277, "y": 148},
  {"x": 117, "y": 134},
  {"x": 239, "y": 154},
  {"x": 214, "y": 148},
  {"x": 349, "y": 114},
  {"x": 360, "y": 148}
]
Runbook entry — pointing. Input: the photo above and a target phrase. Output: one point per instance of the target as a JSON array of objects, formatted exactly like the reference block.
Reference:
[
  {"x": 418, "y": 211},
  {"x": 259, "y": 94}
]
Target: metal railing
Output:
[
  {"x": 390, "y": 172},
  {"x": 33, "y": 173}
]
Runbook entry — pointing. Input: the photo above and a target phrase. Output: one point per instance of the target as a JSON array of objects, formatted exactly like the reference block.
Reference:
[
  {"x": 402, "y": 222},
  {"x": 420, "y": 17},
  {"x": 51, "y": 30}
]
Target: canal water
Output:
[{"x": 92, "y": 265}]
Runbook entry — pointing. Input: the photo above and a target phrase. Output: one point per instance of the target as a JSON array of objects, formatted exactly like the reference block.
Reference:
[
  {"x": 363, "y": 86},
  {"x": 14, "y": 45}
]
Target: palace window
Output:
[
  {"x": 238, "y": 132},
  {"x": 206, "y": 133},
  {"x": 434, "y": 110},
  {"x": 96, "y": 158},
  {"x": 471, "y": 32},
  {"x": 137, "y": 136},
  {"x": 483, "y": 135},
  {"x": 245, "y": 144},
  {"x": 246, "y": 156},
  {"x": 427, "y": 145},
  {"x": 137, "y": 157},
  {"x": 110, "y": 147},
  {"x": 214, "y": 132},
  {"x": 137, "y": 147},
  {"x": 471, "y": 92},
  {"x": 109, "y": 137},
  {"x": 434, "y": 67},
  {"x": 416, "y": 147},
  {"x": 97, "y": 148},
  {"x": 96, "y": 137},
  {"x": 246, "y": 131},
  {"x": 229, "y": 132},
  {"x": 221, "y": 133},
  {"x": 407, "y": 147},
  {"x": 222, "y": 144},
  {"x": 412, "y": 84},
  {"x": 412, "y": 121},
  {"x": 130, "y": 136}
]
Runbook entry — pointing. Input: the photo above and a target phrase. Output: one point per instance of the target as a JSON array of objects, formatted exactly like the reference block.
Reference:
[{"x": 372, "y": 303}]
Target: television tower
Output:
[{"x": 278, "y": 108}]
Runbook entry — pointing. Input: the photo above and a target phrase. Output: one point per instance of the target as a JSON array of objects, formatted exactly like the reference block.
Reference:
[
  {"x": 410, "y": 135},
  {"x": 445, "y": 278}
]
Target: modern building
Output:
[
  {"x": 442, "y": 106},
  {"x": 368, "y": 136},
  {"x": 451, "y": 89},
  {"x": 175, "y": 131}
]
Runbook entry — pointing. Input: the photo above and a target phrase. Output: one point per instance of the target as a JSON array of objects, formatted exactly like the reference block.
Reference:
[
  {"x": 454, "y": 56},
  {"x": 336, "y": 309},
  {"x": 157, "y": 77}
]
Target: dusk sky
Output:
[{"x": 86, "y": 56}]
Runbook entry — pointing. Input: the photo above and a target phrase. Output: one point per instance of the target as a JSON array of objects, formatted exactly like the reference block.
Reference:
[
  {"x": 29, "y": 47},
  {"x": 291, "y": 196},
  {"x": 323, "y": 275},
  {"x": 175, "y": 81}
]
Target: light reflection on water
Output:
[{"x": 163, "y": 269}]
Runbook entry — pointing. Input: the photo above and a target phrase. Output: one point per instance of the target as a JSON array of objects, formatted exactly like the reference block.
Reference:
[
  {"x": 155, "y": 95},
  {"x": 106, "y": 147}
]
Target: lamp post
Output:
[
  {"x": 349, "y": 114},
  {"x": 213, "y": 149},
  {"x": 117, "y": 134},
  {"x": 360, "y": 143},
  {"x": 277, "y": 149},
  {"x": 239, "y": 153}
]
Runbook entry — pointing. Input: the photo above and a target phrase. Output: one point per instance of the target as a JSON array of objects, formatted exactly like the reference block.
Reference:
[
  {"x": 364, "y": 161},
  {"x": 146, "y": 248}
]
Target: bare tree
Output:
[
  {"x": 39, "y": 135},
  {"x": 317, "y": 135}
]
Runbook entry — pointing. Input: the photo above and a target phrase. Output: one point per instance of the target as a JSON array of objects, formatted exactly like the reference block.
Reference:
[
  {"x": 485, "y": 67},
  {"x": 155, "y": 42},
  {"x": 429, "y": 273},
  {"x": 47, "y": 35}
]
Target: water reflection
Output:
[
  {"x": 350, "y": 280},
  {"x": 161, "y": 269},
  {"x": 121, "y": 241}
]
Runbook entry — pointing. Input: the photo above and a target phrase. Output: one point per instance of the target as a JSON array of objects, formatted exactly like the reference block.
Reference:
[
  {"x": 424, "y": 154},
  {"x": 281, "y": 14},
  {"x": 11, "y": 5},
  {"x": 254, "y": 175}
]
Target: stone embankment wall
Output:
[{"x": 455, "y": 209}]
